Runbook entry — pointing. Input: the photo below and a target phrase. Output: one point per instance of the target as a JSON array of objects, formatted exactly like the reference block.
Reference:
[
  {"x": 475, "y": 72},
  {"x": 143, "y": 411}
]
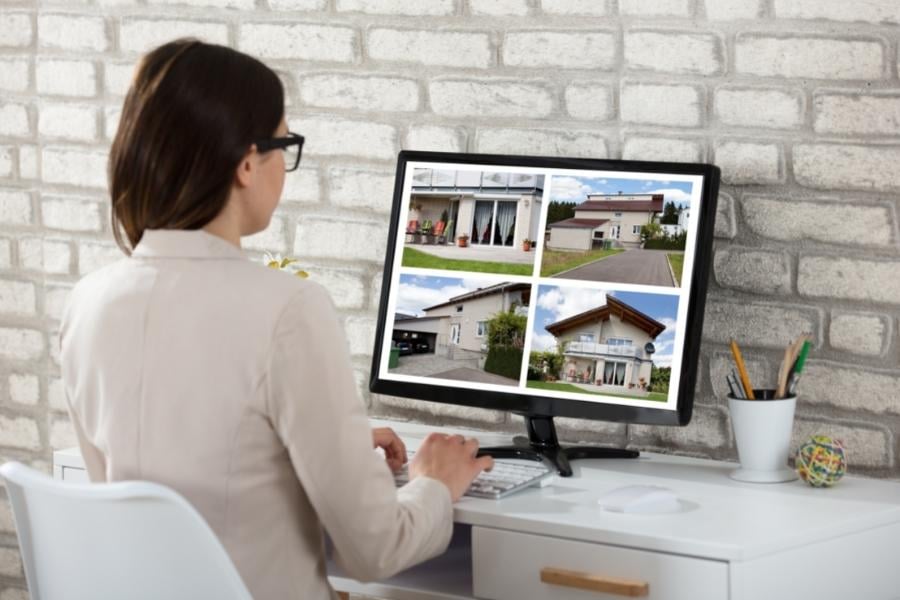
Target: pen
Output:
[
  {"x": 730, "y": 386},
  {"x": 738, "y": 391},
  {"x": 745, "y": 379},
  {"x": 798, "y": 368}
]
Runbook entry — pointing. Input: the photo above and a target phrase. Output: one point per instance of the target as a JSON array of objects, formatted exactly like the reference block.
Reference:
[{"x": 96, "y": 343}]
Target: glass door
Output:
[
  {"x": 614, "y": 373},
  {"x": 483, "y": 222}
]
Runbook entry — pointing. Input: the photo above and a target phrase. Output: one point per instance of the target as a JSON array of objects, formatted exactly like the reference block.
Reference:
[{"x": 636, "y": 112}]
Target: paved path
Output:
[
  {"x": 432, "y": 365},
  {"x": 645, "y": 267},
  {"x": 476, "y": 376},
  {"x": 504, "y": 254}
]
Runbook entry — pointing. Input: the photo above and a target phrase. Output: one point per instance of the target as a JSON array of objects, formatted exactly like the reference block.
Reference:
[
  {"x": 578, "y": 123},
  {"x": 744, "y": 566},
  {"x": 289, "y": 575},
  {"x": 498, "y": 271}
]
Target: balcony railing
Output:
[{"x": 594, "y": 349}]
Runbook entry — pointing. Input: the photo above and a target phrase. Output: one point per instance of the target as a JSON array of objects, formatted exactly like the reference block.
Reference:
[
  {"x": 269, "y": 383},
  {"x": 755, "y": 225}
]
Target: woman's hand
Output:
[
  {"x": 451, "y": 459},
  {"x": 394, "y": 449}
]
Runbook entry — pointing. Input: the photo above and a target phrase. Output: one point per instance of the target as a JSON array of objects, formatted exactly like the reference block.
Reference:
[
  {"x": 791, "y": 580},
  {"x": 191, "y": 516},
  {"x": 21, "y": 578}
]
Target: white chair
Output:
[{"x": 134, "y": 540}]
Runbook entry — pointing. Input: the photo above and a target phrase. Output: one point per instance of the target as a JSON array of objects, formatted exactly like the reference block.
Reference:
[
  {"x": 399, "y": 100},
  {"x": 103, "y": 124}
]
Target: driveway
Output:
[
  {"x": 475, "y": 376},
  {"x": 432, "y": 365},
  {"x": 646, "y": 267}
]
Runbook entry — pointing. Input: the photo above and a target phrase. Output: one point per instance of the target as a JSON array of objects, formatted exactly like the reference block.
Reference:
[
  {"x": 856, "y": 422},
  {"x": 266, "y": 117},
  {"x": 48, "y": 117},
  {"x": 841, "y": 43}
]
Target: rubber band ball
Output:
[{"x": 821, "y": 461}]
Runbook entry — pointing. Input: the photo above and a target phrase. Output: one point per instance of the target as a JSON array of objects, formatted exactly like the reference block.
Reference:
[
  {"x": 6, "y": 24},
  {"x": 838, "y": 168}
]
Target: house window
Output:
[
  {"x": 459, "y": 308},
  {"x": 454, "y": 334},
  {"x": 586, "y": 337},
  {"x": 494, "y": 223},
  {"x": 618, "y": 215},
  {"x": 619, "y": 342},
  {"x": 636, "y": 230},
  {"x": 480, "y": 328},
  {"x": 614, "y": 373}
]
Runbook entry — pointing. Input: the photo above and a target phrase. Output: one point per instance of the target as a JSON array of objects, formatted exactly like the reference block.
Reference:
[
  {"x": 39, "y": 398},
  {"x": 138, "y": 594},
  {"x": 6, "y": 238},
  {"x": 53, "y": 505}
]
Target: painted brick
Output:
[
  {"x": 14, "y": 119},
  {"x": 613, "y": 435},
  {"x": 66, "y": 77},
  {"x": 54, "y": 349},
  {"x": 434, "y": 413},
  {"x": 595, "y": 8},
  {"x": 673, "y": 52},
  {"x": 236, "y": 4},
  {"x": 142, "y": 35},
  {"x": 14, "y": 75},
  {"x": 74, "y": 166},
  {"x": 67, "y": 121},
  {"x": 340, "y": 137},
  {"x": 440, "y": 48},
  {"x": 301, "y": 185},
  {"x": 56, "y": 394},
  {"x": 758, "y": 369},
  {"x": 758, "y": 324},
  {"x": 589, "y": 101},
  {"x": 659, "y": 104},
  {"x": 756, "y": 271},
  {"x": 375, "y": 291},
  {"x": 5, "y": 254},
  {"x": 17, "y": 297},
  {"x": 344, "y": 285},
  {"x": 19, "y": 432},
  {"x": 809, "y": 58},
  {"x": 117, "y": 77},
  {"x": 866, "y": 446},
  {"x": 16, "y": 30},
  {"x": 850, "y": 387},
  {"x": 398, "y": 7},
  {"x": 15, "y": 208},
  {"x": 299, "y": 41},
  {"x": 297, "y": 4},
  {"x": 359, "y": 93},
  {"x": 28, "y": 162},
  {"x": 884, "y": 11},
  {"x": 791, "y": 220},
  {"x": 272, "y": 239},
  {"x": 7, "y": 523},
  {"x": 856, "y": 279},
  {"x": 459, "y": 98},
  {"x": 659, "y": 148},
  {"x": 732, "y": 10},
  {"x": 49, "y": 256},
  {"x": 24, "y": 389},
  {"x": 62, "y": 433},
  {"x": 857, "y": 114},
  {"x": 515, "y": 8},
  {"x": 70, "y": 32},
  {"x": 726, "y": 227},
  {"x": 111, "y": 116},
  {"x": 70, "y": 213},
  {"x": 858, "y": 333},
  {"x": 10, "y": 561},
  {"x": 360, "y": 335},
  {"x": 837, "y": 166},
  {"x": 669, "y": 8},
  {"x": 55, "y": 298},
  {"x": 755, "y": 107},
  {"x": 750, "y": 162},
  {"x": 6, "y": 161},
  {"x": 434, "y": 137},
  {"x": 542, "y": 142},
  {"x": 708, "y": 428},
  {"x": 331, "y": 237},
  {"x": 20, "y": 344},
  {"x": 373, "y": 190},
  {"x": 568, "y": 50},
  {"x": 93, "y": 256}
]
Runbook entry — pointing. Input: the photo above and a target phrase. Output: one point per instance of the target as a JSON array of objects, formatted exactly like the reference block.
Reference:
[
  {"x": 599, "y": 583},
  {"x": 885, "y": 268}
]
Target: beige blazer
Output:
[{"x": 189, "y": 365}]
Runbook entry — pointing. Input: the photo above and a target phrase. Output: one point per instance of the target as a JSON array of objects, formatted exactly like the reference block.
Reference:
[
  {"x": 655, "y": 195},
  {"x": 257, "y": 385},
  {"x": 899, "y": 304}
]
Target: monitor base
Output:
[{"x": 542, "y": 444}]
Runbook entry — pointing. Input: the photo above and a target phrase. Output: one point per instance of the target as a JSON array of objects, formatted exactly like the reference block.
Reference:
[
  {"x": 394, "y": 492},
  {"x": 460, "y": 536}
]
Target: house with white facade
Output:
[
  {"x": 684, "y": 217},
  {"x": 608, "y": 347},
  {"x": 615, "y": 217}
]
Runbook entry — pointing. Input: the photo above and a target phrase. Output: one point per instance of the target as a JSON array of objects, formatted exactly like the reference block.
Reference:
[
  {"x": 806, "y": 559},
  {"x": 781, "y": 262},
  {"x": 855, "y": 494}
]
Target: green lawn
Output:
[
  {"x": 677, "y": 262},
  {"x": 557, "y": 261},
  {"x": 568, "y": 387},
  {"x": 422, "y": 260}
]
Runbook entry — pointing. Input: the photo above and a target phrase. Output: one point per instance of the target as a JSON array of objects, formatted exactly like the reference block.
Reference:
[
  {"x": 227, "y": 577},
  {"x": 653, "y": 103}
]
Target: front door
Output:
[
  {"x": 614, "y": 232},
  {"x": 614, "y": 373},
  {"x": 454, "y": 334}
]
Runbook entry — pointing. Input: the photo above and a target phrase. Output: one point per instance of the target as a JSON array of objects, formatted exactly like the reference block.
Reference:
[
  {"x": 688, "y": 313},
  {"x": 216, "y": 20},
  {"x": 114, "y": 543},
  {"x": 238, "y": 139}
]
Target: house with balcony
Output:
[
  {"x": 608, "y": 347},
  {"x": 615, "y": 217}
]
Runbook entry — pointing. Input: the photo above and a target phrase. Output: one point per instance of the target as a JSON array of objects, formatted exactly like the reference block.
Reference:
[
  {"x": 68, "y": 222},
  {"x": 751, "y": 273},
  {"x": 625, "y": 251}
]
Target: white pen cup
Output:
[{"x": 762, "y": 432}]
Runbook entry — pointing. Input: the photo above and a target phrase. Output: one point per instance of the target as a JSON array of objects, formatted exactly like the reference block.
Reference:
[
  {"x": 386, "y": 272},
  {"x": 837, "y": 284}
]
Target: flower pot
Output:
[
  {"x": 526, "y": 246},
  {"x": 462, "y": 242}
]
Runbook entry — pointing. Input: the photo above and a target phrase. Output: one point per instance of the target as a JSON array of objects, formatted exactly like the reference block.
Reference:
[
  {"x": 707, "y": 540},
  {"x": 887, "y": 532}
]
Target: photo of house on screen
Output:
[
  {"x": 609, "y": 343},
  {"x": 617, "y": 218},
  {"x": 461, "y": 329},
  {"x": 478, "y": 221}
]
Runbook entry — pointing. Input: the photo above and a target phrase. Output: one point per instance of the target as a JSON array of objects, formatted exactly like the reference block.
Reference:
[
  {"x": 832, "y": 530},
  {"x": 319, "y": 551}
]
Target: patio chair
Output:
[{"x": 412, "y": 232}]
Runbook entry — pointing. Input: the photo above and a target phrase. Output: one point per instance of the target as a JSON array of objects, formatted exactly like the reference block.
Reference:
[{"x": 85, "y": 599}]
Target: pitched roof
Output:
[
  {"x": 612, "y": 307},
  {"x": 488, "y": 291},
  {"x": 654, "y": 203},
  {"x": 579, "y": 223}
]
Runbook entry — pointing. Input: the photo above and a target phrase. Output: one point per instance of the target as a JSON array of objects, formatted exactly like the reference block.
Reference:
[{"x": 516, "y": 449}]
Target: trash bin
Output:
[
  {"x": 394, "y": 358},
  {"x": 607, "y": 244}
]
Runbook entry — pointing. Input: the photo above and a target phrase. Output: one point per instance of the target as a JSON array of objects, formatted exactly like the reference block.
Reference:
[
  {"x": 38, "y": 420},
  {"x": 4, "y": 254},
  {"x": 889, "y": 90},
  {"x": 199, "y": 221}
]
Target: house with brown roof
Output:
[
  {"x": 615, "y": 217},
  {"x": 607, "y": 348}
]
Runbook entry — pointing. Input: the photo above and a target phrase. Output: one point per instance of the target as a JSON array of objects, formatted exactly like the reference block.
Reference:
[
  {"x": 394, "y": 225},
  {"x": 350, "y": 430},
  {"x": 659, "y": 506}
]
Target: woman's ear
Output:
[{"x": 246, "y": 169}]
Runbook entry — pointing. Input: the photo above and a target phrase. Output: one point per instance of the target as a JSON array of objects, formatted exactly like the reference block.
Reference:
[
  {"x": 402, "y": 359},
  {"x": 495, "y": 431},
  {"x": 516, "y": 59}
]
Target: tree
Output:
[
  {"x": 659, "y": 379},
  {"x": 651, "y": 231},
  {"x": 560, "y": 211},
  {"x": 670, "y": 214},
  {"x": 506, "y": 329}
]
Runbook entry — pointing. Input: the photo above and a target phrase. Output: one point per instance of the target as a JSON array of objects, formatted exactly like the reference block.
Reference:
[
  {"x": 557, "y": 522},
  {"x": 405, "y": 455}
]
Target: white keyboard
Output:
[{"x": 507, "y": 477}]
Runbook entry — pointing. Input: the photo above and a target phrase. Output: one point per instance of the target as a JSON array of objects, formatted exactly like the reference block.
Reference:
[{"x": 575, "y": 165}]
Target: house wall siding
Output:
[
  {"x": 570, "y": 239},
  {"x": 796, "y": 101},
  {"x": 626, "y": 222}
]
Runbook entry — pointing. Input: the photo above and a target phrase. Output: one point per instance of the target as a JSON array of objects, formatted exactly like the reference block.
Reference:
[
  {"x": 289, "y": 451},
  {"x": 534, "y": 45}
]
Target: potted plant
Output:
[
  {"x": 462, "y": 241},
  {"x": 526, "y": 244}
]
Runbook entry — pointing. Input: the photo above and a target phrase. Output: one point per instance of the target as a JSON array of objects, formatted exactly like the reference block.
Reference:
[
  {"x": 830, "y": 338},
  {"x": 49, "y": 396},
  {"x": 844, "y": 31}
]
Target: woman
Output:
[{"x": 189, "y": 365}]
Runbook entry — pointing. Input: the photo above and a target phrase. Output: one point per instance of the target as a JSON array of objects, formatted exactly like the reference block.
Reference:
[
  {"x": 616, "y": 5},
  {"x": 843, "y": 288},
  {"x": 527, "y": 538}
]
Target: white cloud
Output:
[
  {"x": 542, "y": 341},
  {"x": 567, "y": 189},
  {"x": 565, "y": 303},
  {"x": 414, "y": 298},
  {"x": 662, "y": 361},
  {"x": 672, "y": 195},
  {"x": 670, "y": 325}
]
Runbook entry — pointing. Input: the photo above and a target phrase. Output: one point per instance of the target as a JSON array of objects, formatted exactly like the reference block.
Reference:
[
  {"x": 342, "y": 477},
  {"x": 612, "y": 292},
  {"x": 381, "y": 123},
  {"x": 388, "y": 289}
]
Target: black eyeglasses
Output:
[{"x": 292, "y": 144}]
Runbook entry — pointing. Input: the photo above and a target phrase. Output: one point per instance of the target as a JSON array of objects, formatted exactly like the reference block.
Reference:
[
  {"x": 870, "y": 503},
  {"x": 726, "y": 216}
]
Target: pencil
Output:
[{"x": 742, "y": 370}]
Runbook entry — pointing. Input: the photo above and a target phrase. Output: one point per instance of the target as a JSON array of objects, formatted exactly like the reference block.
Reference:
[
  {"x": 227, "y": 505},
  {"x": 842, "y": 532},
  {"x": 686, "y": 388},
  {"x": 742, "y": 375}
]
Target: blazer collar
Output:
[{"x": 183, "y": 243}]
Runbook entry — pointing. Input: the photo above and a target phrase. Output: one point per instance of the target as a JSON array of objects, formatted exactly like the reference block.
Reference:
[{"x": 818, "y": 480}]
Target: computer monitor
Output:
[{"x": 548, "y": 287}]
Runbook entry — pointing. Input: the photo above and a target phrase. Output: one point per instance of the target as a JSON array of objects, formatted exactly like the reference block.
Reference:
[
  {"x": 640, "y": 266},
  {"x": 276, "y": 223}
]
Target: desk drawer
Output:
[{"x": 508, "y": 566}]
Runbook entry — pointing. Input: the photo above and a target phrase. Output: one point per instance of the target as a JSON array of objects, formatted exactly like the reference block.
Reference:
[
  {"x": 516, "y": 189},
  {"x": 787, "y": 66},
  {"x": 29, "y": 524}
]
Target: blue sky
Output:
[
  {"x": 575, "y": 189},
  {"x": 418, "y": 292},
  {"x": 555, "y": 303}
]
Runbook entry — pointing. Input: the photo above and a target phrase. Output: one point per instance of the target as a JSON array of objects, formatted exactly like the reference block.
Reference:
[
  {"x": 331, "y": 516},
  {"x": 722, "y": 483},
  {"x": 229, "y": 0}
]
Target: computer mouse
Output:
[{"x": 640, "y": 499}]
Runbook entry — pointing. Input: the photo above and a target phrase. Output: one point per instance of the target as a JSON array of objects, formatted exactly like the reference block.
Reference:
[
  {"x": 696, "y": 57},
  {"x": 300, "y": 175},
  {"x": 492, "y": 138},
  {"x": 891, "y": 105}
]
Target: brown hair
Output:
[{"x": 190, "y": 116}]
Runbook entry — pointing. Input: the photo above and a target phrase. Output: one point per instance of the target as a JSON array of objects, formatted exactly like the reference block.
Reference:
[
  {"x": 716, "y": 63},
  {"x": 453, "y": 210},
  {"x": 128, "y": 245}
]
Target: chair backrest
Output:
[
  {"x": 135, "y": 540},
  {"x": 439, "y": 228},
  {"x": 412, "y": 226}
]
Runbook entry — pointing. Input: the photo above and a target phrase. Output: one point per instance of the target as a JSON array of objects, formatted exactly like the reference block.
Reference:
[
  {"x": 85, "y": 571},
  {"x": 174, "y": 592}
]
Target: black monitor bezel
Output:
[{"x": 547, "y": 406}]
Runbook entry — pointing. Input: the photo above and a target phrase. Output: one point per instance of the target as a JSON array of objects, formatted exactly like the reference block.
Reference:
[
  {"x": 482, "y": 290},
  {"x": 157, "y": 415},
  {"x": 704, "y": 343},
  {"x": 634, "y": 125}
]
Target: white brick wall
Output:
[
  {"x": 14, "y": 119},
  {"x": 587, "y": 50},
  {"x": 816, "y": 58},
  {"x": 16, "y": 29},
  {"x": 397, "y": 7},
  {"x": 451, "y": 49},
  {"x": 59, "y": 77},
  {"x": 140, "y": 35},
  {"x": 359, "y": 93},
  {"x": 456, "y": 98},
  {"x": 673, "y": 52},
  {"x": 68, "y": 122},
  {"x": 759, "y": 107},
  {"x": 304, "y": 42},
  {"x": 66, "y": 32},
  {"x": 14, "y": 74},
  {"x": 660, "y": 104}
]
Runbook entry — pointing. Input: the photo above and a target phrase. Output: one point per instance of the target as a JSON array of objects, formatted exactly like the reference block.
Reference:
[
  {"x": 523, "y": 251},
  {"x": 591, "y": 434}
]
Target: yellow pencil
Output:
[{"x": 742, "y": 370}]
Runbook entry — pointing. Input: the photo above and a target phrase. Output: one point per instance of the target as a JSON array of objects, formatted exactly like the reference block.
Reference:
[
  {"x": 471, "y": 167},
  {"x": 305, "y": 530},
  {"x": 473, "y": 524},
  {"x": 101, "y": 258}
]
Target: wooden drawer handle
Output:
[{"x": 596, "y": 583}]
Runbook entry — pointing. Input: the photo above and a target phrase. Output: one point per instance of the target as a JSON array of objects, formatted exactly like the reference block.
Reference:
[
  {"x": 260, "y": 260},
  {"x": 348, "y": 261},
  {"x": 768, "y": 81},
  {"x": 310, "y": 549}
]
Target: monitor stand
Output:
[{"x": 542, "y": 443}]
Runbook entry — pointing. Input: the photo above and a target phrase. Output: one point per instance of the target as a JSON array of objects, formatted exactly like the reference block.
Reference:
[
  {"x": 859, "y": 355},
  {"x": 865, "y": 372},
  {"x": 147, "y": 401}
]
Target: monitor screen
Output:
[{"x": 546, "y": 286}]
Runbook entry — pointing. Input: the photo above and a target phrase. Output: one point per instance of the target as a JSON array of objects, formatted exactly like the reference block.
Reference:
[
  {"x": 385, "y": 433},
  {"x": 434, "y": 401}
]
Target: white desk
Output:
[{"x": 733, "y": 541}]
